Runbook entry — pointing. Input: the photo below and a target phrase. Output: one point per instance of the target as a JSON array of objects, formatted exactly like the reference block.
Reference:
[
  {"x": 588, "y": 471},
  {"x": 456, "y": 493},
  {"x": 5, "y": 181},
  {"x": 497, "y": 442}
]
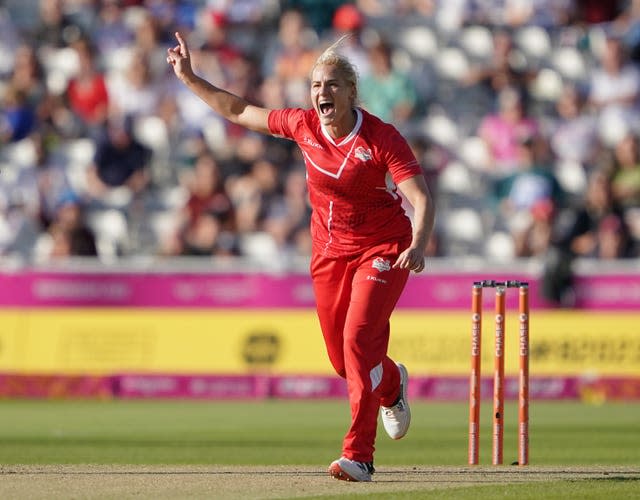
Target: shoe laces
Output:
[
  {"x": 366, "y": 467},
  {"x": 391, "y": 410}
]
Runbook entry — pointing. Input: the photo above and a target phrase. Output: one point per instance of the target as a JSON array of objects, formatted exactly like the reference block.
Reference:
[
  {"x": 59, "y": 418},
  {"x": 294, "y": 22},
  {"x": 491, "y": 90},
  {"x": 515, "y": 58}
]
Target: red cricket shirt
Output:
[{"x": 352, "y": 181}]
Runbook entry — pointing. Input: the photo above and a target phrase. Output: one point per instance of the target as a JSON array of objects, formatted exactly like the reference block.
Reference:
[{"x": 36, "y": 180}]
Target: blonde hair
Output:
[{"x": 331, "y": 57}]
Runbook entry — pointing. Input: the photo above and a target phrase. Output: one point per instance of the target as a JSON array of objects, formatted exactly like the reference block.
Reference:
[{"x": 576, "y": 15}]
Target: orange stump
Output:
[
  {"x": 523, "y": 385},
  {"x": 474, "y": 379},
  {"x": 498, "y": 378}
]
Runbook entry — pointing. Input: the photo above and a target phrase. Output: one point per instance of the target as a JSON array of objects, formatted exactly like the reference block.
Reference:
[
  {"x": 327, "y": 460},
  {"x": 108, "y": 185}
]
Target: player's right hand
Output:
[{"x": 179, "y": 58}]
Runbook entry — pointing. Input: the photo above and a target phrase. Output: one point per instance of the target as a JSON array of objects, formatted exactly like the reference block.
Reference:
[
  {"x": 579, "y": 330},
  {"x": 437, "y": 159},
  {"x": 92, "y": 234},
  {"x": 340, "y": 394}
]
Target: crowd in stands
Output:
[{"x": 524, "y": 115}]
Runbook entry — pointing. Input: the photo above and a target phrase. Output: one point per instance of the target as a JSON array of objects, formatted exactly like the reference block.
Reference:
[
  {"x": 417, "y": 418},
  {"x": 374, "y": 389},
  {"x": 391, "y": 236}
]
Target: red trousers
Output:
[{"x": 355, "y": 297}]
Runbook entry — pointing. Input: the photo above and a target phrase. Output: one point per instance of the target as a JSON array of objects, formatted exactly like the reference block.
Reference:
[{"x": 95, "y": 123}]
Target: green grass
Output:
[
  {"x": 297, "y": 432},
  {"x": 548, "y": 490},
  {"x": 308, "y": 433}
]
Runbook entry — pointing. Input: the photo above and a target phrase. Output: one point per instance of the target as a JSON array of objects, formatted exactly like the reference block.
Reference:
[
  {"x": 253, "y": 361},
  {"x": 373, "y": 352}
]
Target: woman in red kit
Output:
[{"x": 364, "y": 245}]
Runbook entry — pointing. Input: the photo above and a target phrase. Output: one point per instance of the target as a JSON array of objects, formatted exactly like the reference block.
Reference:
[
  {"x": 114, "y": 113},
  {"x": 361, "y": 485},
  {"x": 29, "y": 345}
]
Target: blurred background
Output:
[{"x": 144, "y": 240}]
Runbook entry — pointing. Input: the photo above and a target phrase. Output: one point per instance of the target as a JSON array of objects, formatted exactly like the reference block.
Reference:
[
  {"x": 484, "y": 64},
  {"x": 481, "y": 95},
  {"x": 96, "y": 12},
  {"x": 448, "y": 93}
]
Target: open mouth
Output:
[{"x": 326, "y": 108}]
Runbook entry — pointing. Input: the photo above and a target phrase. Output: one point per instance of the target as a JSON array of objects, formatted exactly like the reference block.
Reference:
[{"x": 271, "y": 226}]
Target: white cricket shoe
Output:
[
  {"x": 350, "y": 470},
  {"x": 396, "y": 418}
]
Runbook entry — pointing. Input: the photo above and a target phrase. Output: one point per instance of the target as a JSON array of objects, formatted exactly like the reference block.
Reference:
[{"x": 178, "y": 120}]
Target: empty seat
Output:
[
  {"x": 568, "y": 61},
  {"x": 455, "y": 178},
  {"x": 533, "y": 41},
  {"x": 173, "y": 197},
  {"x": 419, "y": 41},
  {"x": 474, "y": 152},
  {"x": 261, "y": 247},
  {"x": 441, "y": 129},
  {"x": 452, "y": 64},
  {"x": 612, "y": 127},
  {"x": 547, "y": 86},
  {"x": 111, "y": 231},
  {"x": 163, "y": 224},
  {"x": 500, "y": 246},
  {"x": 80, "y": 151},
  {"x": 464, "y": 224},
  {"x": 477, "y": 41},
  {"x": 571, "y": 176},
  {"x": 152, "y": 132},
  {"x": 60, "y": 66},
  {"x": 21, "y": 153}
]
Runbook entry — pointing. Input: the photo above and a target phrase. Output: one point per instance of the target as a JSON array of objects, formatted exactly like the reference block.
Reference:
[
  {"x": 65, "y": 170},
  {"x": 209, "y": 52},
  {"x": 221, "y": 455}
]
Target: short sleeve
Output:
[
  {"x": 285, "y": 122},
  {"x": 399, "y": 157}
]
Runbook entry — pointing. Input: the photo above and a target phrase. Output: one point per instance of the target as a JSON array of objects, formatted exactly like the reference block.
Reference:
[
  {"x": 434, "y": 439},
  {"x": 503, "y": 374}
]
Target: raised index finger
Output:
[{"x": 183, "y": 44}]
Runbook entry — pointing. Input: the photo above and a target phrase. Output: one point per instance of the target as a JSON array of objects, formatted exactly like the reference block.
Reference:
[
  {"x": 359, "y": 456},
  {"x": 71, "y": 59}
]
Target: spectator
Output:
[
  {"x": 596, "y": 11},
  {"x": 17, "y": 117},
  {"x": 28, "y": 76},
  {"x": 594, "y": 229},
  {"x": 120, "y": 161},
  {"x": 625, "y": 174},
  {"x": 545, "y": 13},
  {"x": 349, "y": 20},
  {"x": 499, "y": 73},
  {"x": 68, "y": 235},
  {"x": 627, "y": 23},
  {"x": 55, "y": 29},
  {"x": 387, "y": 92},
  {"x": 149, "y": 43},
  {"x": 247, "y": 201},
  {"x": 529, "y": 198},
  {"x": 218, "y": 60},
  {"x": 288, "y": 215},
  {"x": 18, "y": 230},
  {"x": 169, "y": 15},
  {"x": 598, "y": 229},
  {"x": 394, "y": 10},
  {"x": 75, "y": 242},
  {"x": 87, "y": 91},
  {"x": 290, "y": 60},
  {"x": 615, "y": 85},
  {"x": 253, "y": 194},
  {"x": 574, "y": 134},
  {"x": 9, "y": 41},
  {"x": 207, "y": 225},
  {"x": 319, "y": 15},
  {"x": 215, "y": 47},
  {"x": 111, "y": 32},
  {"x": 133, "y": 92},
  {"x": 504, "y": 131},
  {"x": 42, "y": 184}
]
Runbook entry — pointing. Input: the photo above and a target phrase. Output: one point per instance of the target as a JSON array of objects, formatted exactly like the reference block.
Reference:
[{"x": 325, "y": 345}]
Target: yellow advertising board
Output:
[{"x": 105, "y": 341}]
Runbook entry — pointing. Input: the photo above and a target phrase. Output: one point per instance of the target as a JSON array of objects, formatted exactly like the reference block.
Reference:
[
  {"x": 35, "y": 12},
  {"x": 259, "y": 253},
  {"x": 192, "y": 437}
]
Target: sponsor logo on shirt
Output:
[
  {"x": 381, "y": 264},
  {"x": 375, "y": 278},
  {"x": 363, "y": 154},
  {"x": 312, "y": 143}
]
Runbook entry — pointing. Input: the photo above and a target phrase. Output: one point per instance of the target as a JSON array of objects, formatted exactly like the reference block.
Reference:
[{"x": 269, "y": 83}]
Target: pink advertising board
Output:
[
  {"x": 225, "y": 387},
  {"x": 235, "y": 290}
]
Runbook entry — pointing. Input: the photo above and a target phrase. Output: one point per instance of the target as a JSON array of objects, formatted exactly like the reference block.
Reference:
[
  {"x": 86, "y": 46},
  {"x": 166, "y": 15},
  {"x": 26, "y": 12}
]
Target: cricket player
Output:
[{"x": 364, "y": 245}]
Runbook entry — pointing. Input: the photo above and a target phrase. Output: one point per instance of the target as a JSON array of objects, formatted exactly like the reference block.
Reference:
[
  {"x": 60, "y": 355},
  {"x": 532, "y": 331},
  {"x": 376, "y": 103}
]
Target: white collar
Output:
[{"x": 351, "y": 135}]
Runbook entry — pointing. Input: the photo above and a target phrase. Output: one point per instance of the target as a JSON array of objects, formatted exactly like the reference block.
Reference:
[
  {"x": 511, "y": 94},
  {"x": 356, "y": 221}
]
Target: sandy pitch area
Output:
[{"x": 229, "y": 482}]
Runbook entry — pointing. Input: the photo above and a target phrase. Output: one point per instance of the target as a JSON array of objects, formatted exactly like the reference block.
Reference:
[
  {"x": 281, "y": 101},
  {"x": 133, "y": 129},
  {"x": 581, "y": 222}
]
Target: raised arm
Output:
[
  {"x": 417, "y": 192},
  {"x": 229, "y": 106}
]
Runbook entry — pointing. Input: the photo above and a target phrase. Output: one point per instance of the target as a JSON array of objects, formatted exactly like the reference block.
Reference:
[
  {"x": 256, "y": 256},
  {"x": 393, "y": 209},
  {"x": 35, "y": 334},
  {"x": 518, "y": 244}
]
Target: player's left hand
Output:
[{"x": 412, "y": 259}]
